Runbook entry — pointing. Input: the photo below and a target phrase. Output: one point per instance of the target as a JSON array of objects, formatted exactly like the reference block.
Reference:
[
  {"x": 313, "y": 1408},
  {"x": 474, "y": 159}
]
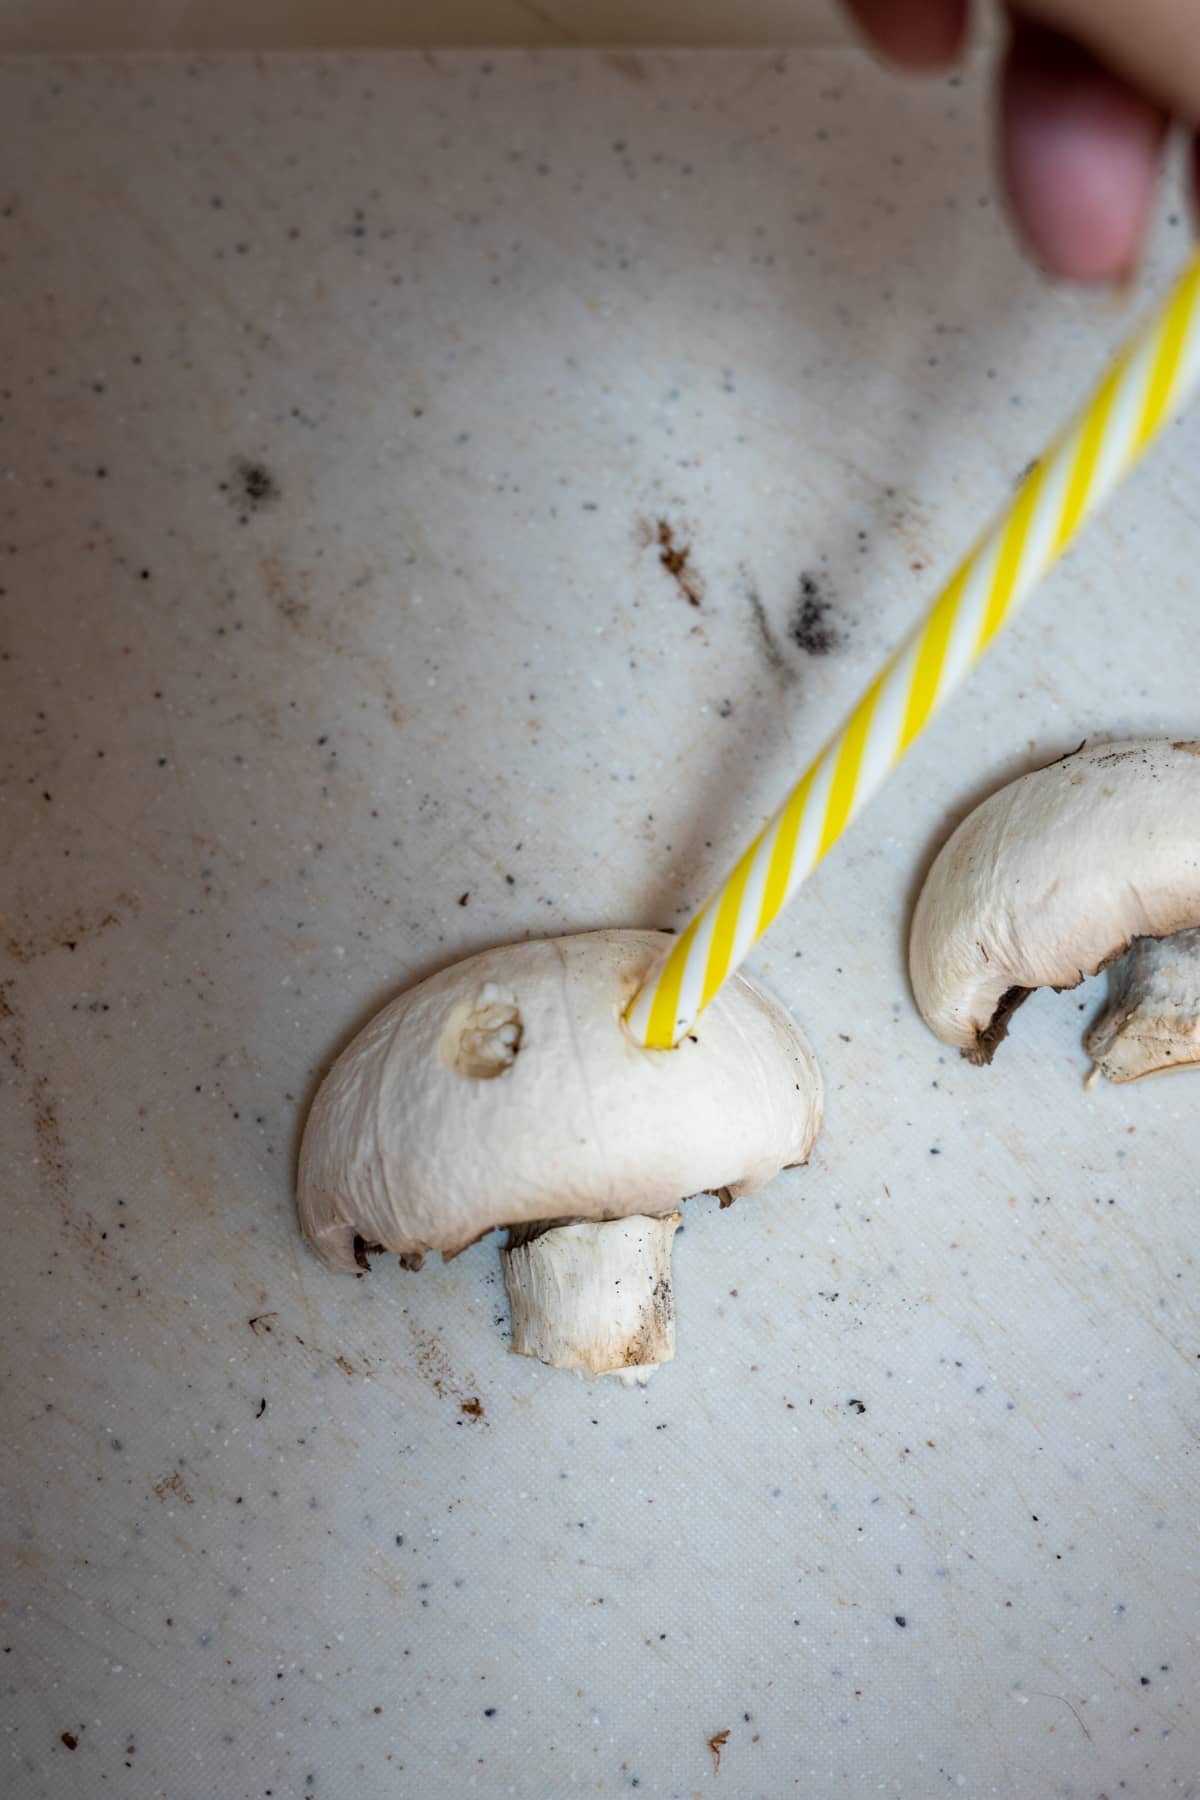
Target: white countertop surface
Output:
[{"x": 338, "y": 400}]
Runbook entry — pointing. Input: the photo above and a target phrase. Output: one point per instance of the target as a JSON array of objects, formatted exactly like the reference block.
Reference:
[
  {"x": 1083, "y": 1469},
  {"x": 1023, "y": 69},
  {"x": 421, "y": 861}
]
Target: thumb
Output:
[{"x": 1080, "y": 152}]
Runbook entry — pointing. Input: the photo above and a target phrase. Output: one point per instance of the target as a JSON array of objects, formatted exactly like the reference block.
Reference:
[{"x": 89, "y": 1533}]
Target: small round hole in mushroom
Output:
[{"x": 482, "y": 1036}]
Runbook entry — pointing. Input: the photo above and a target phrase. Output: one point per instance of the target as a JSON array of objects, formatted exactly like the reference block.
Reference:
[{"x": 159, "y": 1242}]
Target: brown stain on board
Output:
[
  {"x": 52, "y": 1151},
  {"x": 674, "y": 555},
  {"x": 70, "y": 930},
  {"x": 325, "y": 621},
  {"x": 328, "y": 622},
  {"x": 912, "y": 526},
  {"x": 171, "y": 1487},
  {"x": 434, "y": 1365},
  {"x": 626, "y": 63},
  {"x": 542, "y": 14},
  {"x": 289, "y": 590},
  {"x": 716, "y": 1744},
  {"x": 54, "y": 1165},
  {"x": 676, "y": 559},
  {"x": 12, "y": 1039}
]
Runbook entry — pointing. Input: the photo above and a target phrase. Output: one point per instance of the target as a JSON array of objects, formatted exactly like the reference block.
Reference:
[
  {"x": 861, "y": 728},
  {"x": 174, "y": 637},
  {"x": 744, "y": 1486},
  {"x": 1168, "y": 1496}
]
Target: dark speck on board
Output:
[
  {"x": 809, "y": 626},
  {"x": 253, "y": 486}
]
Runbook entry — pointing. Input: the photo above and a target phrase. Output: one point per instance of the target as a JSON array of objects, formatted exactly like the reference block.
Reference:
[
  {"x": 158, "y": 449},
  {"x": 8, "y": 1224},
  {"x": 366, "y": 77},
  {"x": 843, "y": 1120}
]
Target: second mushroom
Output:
[{"x": 1090, "y": 864}]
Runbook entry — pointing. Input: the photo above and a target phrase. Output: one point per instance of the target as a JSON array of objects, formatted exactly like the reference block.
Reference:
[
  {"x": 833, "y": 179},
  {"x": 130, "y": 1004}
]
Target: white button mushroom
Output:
[
  {"x": 508, "y": 1090},
  {"x": 1058, "y": 876}
]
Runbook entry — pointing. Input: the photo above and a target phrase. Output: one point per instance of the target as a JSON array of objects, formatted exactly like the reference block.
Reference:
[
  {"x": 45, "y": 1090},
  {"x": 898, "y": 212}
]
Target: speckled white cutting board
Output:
[{"x": 339, "y": 401}]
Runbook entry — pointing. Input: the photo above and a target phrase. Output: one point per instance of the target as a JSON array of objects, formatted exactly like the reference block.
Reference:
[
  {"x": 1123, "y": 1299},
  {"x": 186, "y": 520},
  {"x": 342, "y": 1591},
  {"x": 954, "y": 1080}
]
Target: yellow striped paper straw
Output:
[{"x": 1149, "y": 377}]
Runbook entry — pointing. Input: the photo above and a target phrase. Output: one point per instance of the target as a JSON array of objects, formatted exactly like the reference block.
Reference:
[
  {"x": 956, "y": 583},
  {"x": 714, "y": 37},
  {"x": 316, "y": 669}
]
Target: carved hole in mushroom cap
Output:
[{"x": 482, "y": 1036}]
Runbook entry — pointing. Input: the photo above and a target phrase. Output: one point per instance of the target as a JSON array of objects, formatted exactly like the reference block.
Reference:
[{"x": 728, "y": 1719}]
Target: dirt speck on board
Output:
[
  {"x": 345, "y": 1365},
  {"x": 52, "y": 1160},
  {"x": 675, "y": 557},
  {"x": 288, "y": 589},
  {"x": 12, "y": 1031},
  {"x": 69, "y": 1739},
  {"x": 434, "y": 1365},
  {"x": 810, "y": 627},
  {"x": 252, "y": 486},
  {"x": 628, "y": 64},
  {"x": 52, "y": 1150},
  {"x": 171, "y": 1487},
  {"x": 363, "y": 1251},
  {"x": 716, "y": 1744},
  {"x": 70, "y": 929},
  {"x": 262, "y": 1323},
  {"x": 772, "y": 649}
]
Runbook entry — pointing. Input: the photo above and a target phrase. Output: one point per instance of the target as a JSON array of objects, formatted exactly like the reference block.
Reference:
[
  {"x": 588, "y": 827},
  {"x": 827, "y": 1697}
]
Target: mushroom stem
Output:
[
  {"x": 593, "y": 1296},
  {"x": 1151, "y": 1018}
]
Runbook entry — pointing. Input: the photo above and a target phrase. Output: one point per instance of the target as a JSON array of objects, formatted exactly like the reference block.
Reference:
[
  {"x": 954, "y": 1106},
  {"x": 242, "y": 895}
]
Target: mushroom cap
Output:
[
  {"x": 1051, "y": 880},
  {"x": 508, "y": 1090}
]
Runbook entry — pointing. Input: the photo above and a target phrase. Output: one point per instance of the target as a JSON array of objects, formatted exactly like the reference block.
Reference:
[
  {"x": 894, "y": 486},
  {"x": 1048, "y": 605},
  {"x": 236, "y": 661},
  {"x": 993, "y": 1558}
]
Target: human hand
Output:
[{"x": 1087, "y": 91}]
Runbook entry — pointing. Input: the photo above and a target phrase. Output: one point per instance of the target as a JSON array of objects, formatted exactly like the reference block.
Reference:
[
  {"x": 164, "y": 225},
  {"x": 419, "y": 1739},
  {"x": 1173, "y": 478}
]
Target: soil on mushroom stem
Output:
[{"x": 656, "y": 1316}]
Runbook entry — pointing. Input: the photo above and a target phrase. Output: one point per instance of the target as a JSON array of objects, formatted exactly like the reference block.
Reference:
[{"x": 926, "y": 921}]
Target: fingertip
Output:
[
  {"x": 1080, "y": 152},
  {"x": 920, "y": 34}
]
